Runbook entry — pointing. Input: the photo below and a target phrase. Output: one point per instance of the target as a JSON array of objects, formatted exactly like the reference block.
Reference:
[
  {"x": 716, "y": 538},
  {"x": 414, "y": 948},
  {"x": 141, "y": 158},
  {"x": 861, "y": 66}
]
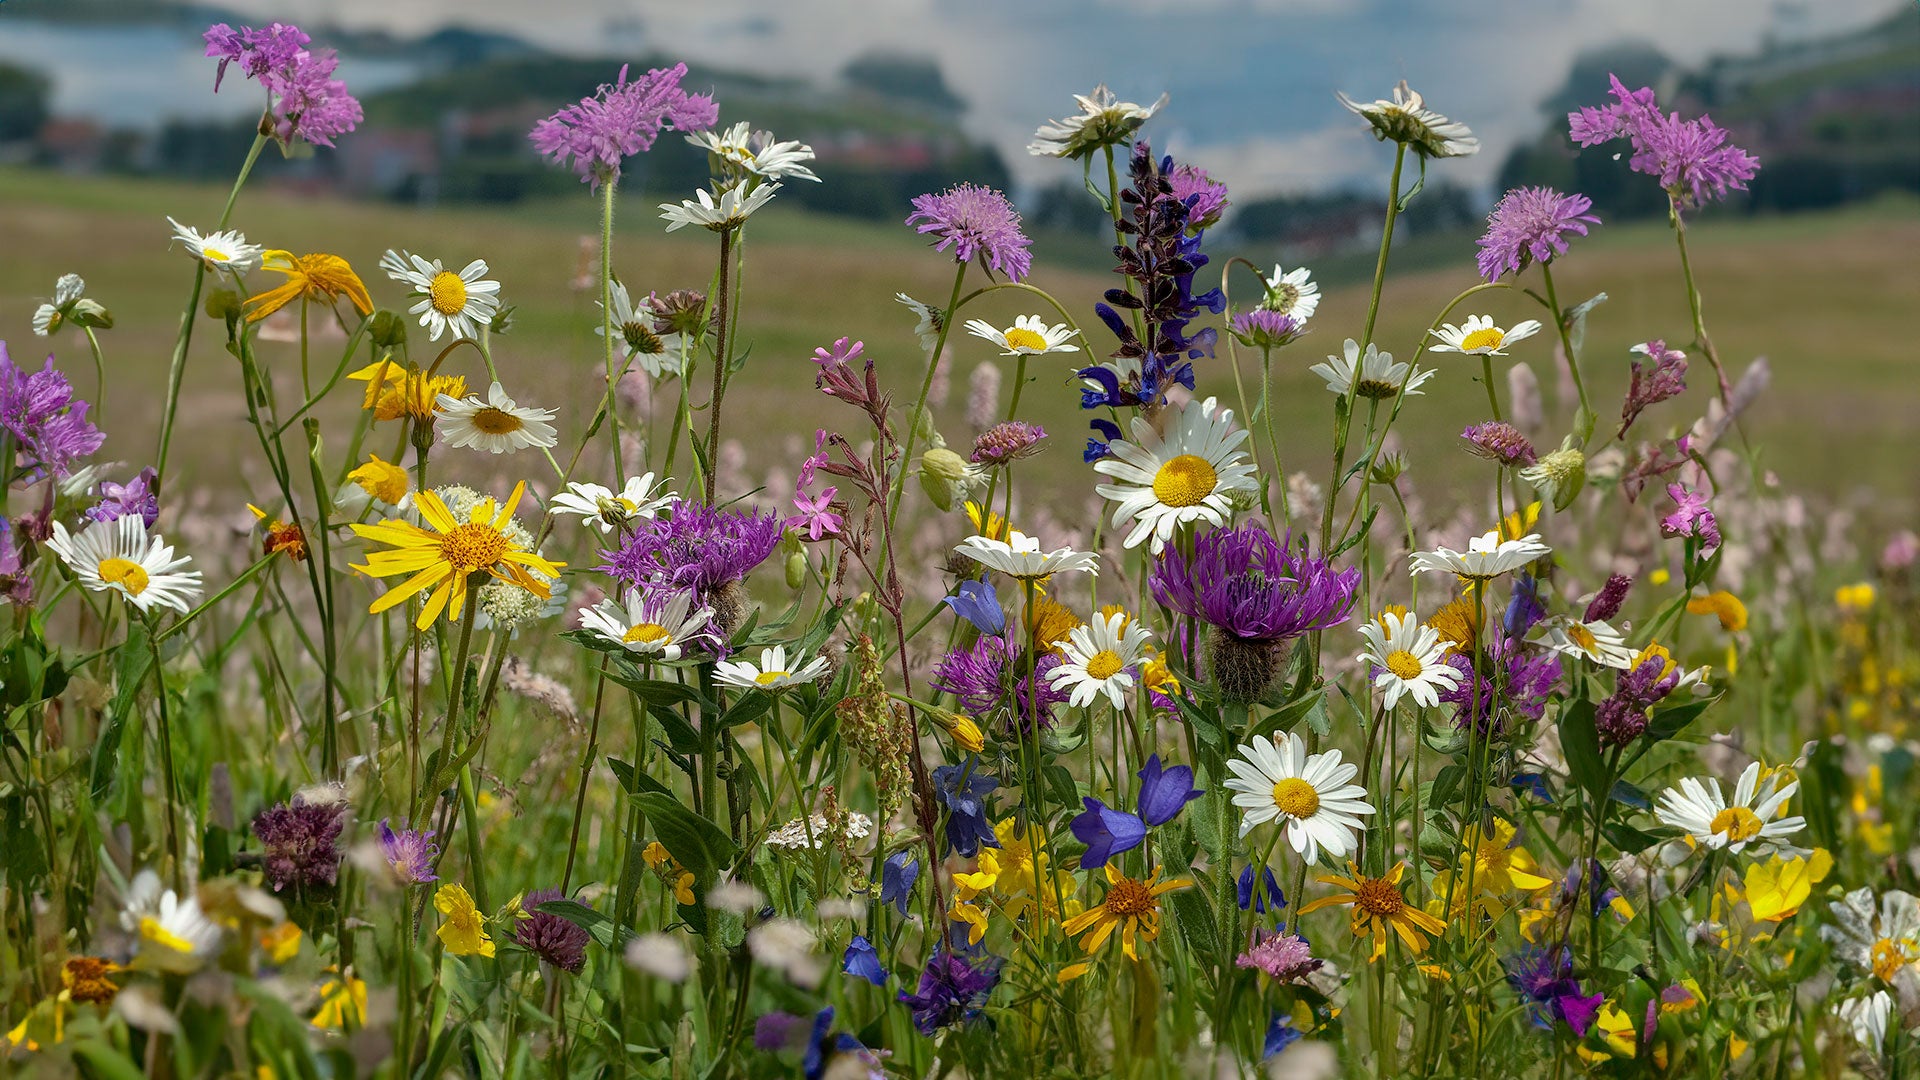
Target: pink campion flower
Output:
[
  {"x": 305, "y": 101},
  {"x": 619, "y": 120},
  {"x": 1901, "y": 550},
  {"x": 1692, "y": 159},
  {"x": 816, "y": 519},
  {"x": 1666, "y": 378},
  {"x": 1691, "y": 517}
]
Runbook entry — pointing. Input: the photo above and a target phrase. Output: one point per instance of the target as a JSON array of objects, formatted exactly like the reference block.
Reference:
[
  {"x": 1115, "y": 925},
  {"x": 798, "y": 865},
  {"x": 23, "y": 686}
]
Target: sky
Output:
[{"x": 1251, "y": 81}]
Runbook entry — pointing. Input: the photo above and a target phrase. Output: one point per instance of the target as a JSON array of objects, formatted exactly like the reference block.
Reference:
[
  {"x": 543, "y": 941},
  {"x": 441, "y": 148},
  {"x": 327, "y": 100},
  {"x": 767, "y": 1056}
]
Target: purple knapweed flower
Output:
[
  {"x": 1606, "y": 603},
  {"x": 409, "y": 853},
  {"x": 1005, "y": 442},
  {"x": 1691, "y": 517},
  {"x": 137, "y": 497},
  {"x": 305, "y": 100},
  {"x": 50, "y": 429},
  {"x": 300, "y": 841},
  {"x": 992, "y": 683},
  {"x": 1544, "y": 977},
  {"x": 1528, "y": 225},
  {"x": 548, "y": 936},
  {"x": 1285, "y": 958},
  {"x": 1650, "y": 385},
  {"x": 1500, "y": 442},
  {"x": 1691, "y": 159},
  {"x": 1263, "y": 329},
  {"x": 1252, "y": 587},
  {"x": 1205, "y": 197},
  {"x": 16, "y": 585},
  {"x": 953, "y": 990},
  {"x": 976, "y": 222},
  {"x": 694, "y": 546},
  {"x": 619, "y": 120}
]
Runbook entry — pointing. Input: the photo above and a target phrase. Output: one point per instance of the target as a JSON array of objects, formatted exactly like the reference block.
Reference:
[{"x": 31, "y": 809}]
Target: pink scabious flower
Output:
[
  {"x": 1263, "y": 329},
  {"x": 619, "y": 120},
  {"x": 976, "y": 222},
  {"x": 50, "y": 429},
  {"x": 306, "y": 102},
  {"x": 1206, "y": 198},
  {"x": 1691, "y": 517},
  {"x": 1500, "y": 442},
  {"x": 1006, "y": 442},
  {"x": 1692, "y": 159},
  {"x": 1531, "y": 224},
  {"x": 1650, "y": 385},
  {"x": 1285, "y": 958}
]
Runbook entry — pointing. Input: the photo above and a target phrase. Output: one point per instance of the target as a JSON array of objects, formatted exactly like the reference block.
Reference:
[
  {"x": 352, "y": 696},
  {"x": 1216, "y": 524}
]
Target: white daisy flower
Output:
[
  {"x": 1019, "y": 556},
  {"x": 772, "y": 672},
  {"x": 1102, "y": 657},
  {"x": 1410, "y": 658},
  {"x": 174, "y": 934},
  {"x": 1380, "y": 376},
  {"x": 927, "y": 329},
  {"x": 1885, "y": 941},
  {"x": 1868, "y": 1017},
  {"x": 1597, "y": 641},
  {"x": 1308, "y": 794},
  {"x": 606, "y": 510},
  {"x": 1292, "y": 292},
  {"x": 463, "y": 303},
  {"x": 1406, "y": 119},
  {"x": 227, "y": 250},
  {"x": 730, "y": 211},
  {"x": 1479, "y": 337},
  {"x": 653, "y": 626},
  {"x": 658, "y": 354},
  {"x": 1708, "y": 818},
  {"x": 1103, "y": 120},
  {"x": 1028, "y": 336},
  {"x": 741, "y": 149},
  {"x": 497, "y": 425},
  {"x": 120, "y": 556},
  {"x": 66, "y": 292},
  {"x": 1168, "y": 481},
  {"x": 1486, "y": 557}
]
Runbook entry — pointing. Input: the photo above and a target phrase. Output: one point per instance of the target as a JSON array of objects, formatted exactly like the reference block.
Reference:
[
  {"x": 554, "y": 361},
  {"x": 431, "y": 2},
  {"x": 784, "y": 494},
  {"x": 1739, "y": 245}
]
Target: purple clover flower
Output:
[
  {"x": 1692, "y": 159},
  {"x": 694, "y": 546},
  {"x": 1691, "y": 517},
  {"x": 1285, "y": 958},
  {"x": 1606, "y": 603},
  {"x": 976, "y": 222},
  {"x": 301, "y": 842},
  {"x": 619, "y": 120},
  {"x": 305, "y": 100},
  {"x": 548, "y": 936},
  {"x": 1500, "y": 442},
  {"x": 49, "y": 428},
  {"x": 1531, "y": 224},
  {"x": 1205, "y": 197},
  {"x": 1244, "y": 583},
  {"x": 1009, "y": 441},
  {"x": 1666, "y": 378},
  {"x": 410, "y": 853},
  {"x": 954, "y": 989},
  {"x": 138, "y": 496}
]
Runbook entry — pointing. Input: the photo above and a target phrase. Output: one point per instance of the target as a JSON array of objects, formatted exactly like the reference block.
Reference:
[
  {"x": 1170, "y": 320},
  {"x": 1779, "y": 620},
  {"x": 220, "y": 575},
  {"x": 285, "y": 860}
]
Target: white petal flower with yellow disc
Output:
[
  {"x": 1165, "y": 482},
  {"x": 496, "y": 424},
  {"x": 1308, "y": 794},
  {"x": 1409, "y": 657},
  {"x": 463, "y": 302},
  {"x": 1102, "y": 657},
  {"x": 1028, "y": 336},
  {"x": 121, "y": 556},
  {"x": 1480, "y": 337}
]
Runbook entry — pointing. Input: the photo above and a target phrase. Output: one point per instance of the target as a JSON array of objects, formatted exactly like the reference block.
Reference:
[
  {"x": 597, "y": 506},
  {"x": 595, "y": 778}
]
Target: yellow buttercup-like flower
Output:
[
  {"x": 382, "y": 480},
  {"x": 343, "y": 1003},
  {"x": 447, "y": 556},
  {"x": 1521, "y": 522},
  {"x": 313, "y": 277},
  {"x": 1776, "y": 888},
  {"x": 1854, "y": 599},
  {"x": 1724, "y": 606},
  {"x": 464, "y": 932}
]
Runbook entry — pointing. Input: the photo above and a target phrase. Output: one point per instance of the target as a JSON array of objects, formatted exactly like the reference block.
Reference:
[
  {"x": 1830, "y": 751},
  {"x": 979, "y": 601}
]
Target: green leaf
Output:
[
  {"x": 1580, "y": 743},
  {"x": 1310, "y": 706},
  {"x": 1446, "y": 783},
  {"x": 748, "y": 708},
  {"x": 110, "y": 1063},
  {"x": 609, "y": 934},
  {"x": 680, "y": 734},
  {"x": 1575, "y": 321},
  {"x": 1666, "y": 723},
  {"x": 1632, "y": 841},
  {"x": 700, "y": 845},
  {"x": 130, "y": 674},
  {"x": 661, "y": 692}
]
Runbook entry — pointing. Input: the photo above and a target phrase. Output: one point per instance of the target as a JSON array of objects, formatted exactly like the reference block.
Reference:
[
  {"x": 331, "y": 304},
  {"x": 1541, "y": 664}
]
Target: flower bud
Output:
[{"x": 388, "y": 330}]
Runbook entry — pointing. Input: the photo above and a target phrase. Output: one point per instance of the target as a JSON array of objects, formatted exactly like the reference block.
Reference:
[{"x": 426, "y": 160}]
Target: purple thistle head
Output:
[
  {"x": 619, "y": 120},
  {"x": 1500, "y": 442},
  {"x": 976, "y": 222},
  {"x": 1286, "y": 958},
  {"x": 1252, "y": 587},
  {"x": 1650, "y": 385},
  {"x": 548, "y": 936},
  {"x": 307, "y": 103},
  {"x": 1263, "y": 329},
  {"x": 49, "y": 428},
  {"x": 1206, "y": 198},
  {"x": 1531, "y": 224},
  {"x": 139, "y": 496},
  {"x": 300, "y": 841},
  {"x": 1691, "y": 159},
  {"x": 991, "y": 683},
  {"x": 696, "y": 547},
  {"x": 410, "y": 853},
  {"x": 1007, "y": 442},
  {"x": 1691, "y": 518},
  {"x": 954, "y": 989}
]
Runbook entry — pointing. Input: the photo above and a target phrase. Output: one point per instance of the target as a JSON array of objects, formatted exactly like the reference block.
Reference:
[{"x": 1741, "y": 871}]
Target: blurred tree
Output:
[
  {"x": 24, "y": 95},
  {"x": 897, "y": 76}
]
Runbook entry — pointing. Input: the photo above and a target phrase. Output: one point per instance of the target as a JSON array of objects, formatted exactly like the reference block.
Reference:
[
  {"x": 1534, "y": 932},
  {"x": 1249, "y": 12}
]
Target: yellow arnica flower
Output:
[
  {"x": 967, "y": 887},
  {"x": 1854, "y": 599},
  {"x": 394, "y": 391},
  {"x": 1520, "y": 523},
  {"x": 464, "y": 932},
  {"x": 314, "y": 277},
  {"x": 1723, "y": 605},
  {"x": 281, "y": 943},
  {"x": 343, "y": 1003},
  {"x": 962, "y": 729},
  {"x": 1498, "y": 866},
  {"x": 1049, "y": 622},
  {"x": 382, "y": 480},
  {"x": 1776, "y": 888},
  {"x": 677, "y": 877},
  {"x": 449, "y": 554},
  {"x": 1132, "y": 907},
  {"x": 1379, "y": 909},
  {"x": 1458, "y": 622}
]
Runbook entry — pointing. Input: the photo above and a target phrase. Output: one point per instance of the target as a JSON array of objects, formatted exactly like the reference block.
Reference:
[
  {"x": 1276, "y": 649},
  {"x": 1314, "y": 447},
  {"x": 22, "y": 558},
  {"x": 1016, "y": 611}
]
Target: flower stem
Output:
[
  {"x": 606, "y": 322},
  {"x": 720, "y": 346},
  {"x": 1566, "y": 343}
]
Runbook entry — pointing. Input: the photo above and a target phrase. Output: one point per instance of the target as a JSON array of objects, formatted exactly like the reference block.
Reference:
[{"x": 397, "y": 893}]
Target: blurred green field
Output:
[{"x": 1823, "y": 296}]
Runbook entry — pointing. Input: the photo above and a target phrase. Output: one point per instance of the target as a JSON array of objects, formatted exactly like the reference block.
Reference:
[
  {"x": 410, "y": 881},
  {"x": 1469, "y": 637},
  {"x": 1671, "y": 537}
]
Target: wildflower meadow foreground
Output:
[{"x": 625, "y": 765}]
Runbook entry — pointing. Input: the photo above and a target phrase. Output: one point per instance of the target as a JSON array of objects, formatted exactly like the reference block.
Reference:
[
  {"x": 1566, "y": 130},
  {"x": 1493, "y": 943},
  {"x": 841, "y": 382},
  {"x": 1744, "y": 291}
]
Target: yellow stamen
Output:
[
  {"x": 645, "y": 632},
  {"x": 1491, "y": 337},
  {"x": 473, "y": 547},
  {"x": 1185, "y": 481},
  {"x": 125, "y": 573},
  {"x": 448, "y": 293},
  {"x": 492, "y": 421},
  {"x": 1022, "y": 338},
  {"x": 768, "y": 678},
  {"x": 1404, "y": 664},
  {"x": 1104, "y": 664},
  {"x": 1737, "y": 823},
  {"x": 1296, "y": 798}
]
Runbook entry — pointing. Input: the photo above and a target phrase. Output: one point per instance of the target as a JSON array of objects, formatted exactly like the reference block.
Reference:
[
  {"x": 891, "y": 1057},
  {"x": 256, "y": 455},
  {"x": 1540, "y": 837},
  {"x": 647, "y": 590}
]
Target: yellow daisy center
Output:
[
  {"x": 1378, "y": 897},
  {"x": 1582, "y": 637},
  {"x": 768, "y": 678},
  {"x": 1022, "y": 338},
  {"x": 1888, "y": 958},
  {"x": 472, "y": 547},
  {"x": 1490, "y": 338},
  {"x": 1404, "y": 664},
  {"x": 1130, "y": 898},
  {"x": 215, "y": 255},
  {"x": 1296, "y": 798},
  {"x": 125, "y": 573},
  {"x": 1104, "y": 664},
  {"x": 151, "y": 930},
  {"x": 646, "y": 633},
  {"x": 1736, "y": 823},
  {"x": 1185, "y": 481},
  {"x": 448, "y": 293},
  {"x": 492, "y": 421}
]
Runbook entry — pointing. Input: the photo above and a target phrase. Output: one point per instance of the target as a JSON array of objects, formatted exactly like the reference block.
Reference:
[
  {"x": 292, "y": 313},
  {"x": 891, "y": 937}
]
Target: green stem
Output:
[
  {"x": 607, "y": 186},
  {"x": 1566, "y": 343},
  {"x": 720, "y": 365},
  {"x": 919, "y": 403}
]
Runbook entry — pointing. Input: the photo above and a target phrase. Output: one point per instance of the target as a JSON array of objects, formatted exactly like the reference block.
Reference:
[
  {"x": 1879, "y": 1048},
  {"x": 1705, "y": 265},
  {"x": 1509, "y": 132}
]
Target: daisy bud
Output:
[
  {"x": 223, "y": 304},
  {"x": 388, "y": 330}
]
